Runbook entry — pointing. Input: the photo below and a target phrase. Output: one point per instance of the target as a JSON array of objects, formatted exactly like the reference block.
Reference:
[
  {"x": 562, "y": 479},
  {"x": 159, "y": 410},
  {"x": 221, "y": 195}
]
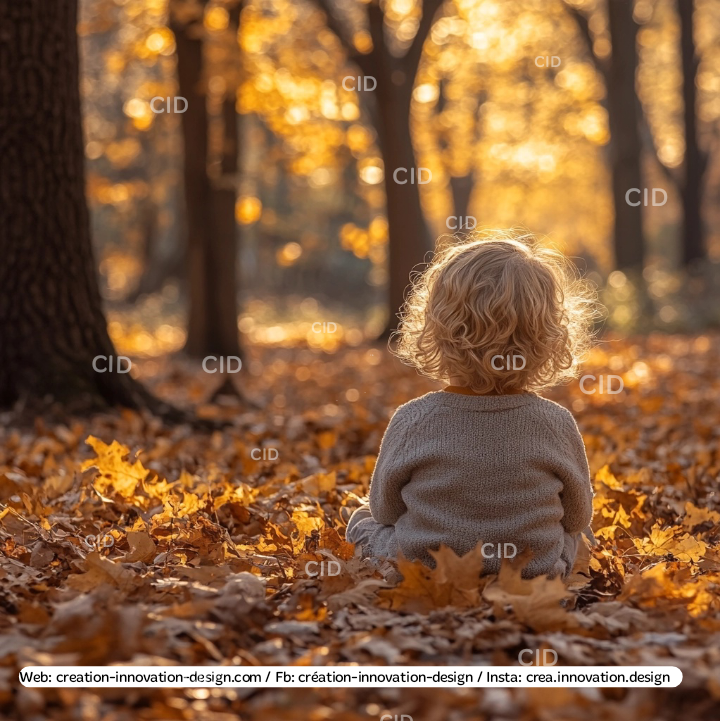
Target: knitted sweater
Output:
[{"x": 459, "y": 469}]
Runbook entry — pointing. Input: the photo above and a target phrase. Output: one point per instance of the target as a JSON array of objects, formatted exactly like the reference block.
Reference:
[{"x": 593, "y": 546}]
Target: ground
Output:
[{"x": 124, "y": 540}]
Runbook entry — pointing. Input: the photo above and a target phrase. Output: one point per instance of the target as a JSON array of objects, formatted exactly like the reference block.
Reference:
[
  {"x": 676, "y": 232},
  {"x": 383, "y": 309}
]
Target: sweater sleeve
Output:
[
  {"x": 577, "y": 493},
  {"x": 392, "y": 472}
]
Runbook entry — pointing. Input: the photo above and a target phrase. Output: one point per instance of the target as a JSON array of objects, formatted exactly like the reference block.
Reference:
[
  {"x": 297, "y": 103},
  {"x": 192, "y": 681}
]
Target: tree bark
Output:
[
  {"x": 407, "y": 230},
  {"x": 693, "y": 243},
  {"x": 52, "y": 325},
  {"x": 409, "y": 239},
  {"x": 461, "y": 188},
  {"x": 221, "y": 335},
  {"x": 622, "y": 104},
  {"x": 625, "y": 142},
  {"x": 212, "y": 318},
  {"x": 159, "y": 264},
  {"x": 223, "y": 255}
]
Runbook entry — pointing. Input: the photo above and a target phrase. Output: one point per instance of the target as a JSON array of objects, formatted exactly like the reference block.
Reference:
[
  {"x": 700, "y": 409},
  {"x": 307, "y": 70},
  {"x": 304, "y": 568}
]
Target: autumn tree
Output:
[
  {"x": 52, "y": 326},
  {"x": 460, "y": 160},
  {"x": 409, "y": 238},
  {"x": 696, "y": 161},
  {"x": 209, "y": 203},
  {"x": 618, "y": 72},
  {"x": 688, "y": 179}
]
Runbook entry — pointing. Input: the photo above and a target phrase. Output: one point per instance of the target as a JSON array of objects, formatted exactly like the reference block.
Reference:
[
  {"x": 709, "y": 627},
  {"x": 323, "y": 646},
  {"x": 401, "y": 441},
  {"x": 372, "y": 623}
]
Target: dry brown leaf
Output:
[
  {"x": 537, "y": 602},
  {"x": 101, "y": 570},
  {"x": 142, "y": 548}
]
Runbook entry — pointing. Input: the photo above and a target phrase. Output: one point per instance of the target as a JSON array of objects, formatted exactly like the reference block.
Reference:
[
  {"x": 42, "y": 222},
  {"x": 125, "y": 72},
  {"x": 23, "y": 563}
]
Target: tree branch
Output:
[
  {"x": 583, "y": 25},
  {"x": 363, "y": 61},
  {"x": 376, "y": 26},
  {"x": 411, "y": 60}
]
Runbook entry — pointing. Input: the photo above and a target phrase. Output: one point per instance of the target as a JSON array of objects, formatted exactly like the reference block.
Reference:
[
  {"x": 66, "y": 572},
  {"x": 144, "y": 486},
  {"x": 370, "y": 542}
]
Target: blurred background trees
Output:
[
  {"x": 319, "y": 231},
  {"x": 393, "y": 68},
  {"x": 618, "y": 69}
]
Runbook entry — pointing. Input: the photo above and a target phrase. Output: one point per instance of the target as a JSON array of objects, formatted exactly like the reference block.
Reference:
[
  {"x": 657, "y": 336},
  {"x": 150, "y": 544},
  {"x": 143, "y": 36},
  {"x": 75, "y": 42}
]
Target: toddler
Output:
[{"x": 486, "y": 459}]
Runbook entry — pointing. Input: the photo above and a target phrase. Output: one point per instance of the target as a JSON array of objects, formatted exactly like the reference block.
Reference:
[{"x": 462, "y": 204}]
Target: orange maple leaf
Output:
[{"x": 455, "y": 581}]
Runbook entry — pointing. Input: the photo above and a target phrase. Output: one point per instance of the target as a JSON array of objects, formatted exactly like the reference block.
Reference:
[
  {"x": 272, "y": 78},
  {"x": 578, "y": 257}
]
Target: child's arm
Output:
[
  {"x": 577, "y": 493},
  {"x": 392, "y": 472}
]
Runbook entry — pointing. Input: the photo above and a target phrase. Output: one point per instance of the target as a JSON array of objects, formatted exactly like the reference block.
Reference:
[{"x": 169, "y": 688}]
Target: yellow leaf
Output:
[
  {"x": 667, "y": 541},
  {"x": 117, "y": 475},
  {"x": 688, "y": 549},
  {"x": 604, "y": 476},
  {"x": 418, "y": 592},
  {"x": 656, "y": 544},
  {"x": 243, "y": 495},
  {"x": 190, "y": 504},
  {"x": 319, "y": 483},
  {"x": 607, "y": 532},
  {"x": 622, "y": 518},
  {"x": 694, "y": 516},
  {"x": 326, "y": 439},
  {"x": 455, "y": 581},
  {"x": 305, "y": 525}
]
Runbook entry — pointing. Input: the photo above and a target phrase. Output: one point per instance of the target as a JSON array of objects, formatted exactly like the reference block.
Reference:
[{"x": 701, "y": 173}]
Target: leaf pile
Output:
[{"x": 126, "y": 541}]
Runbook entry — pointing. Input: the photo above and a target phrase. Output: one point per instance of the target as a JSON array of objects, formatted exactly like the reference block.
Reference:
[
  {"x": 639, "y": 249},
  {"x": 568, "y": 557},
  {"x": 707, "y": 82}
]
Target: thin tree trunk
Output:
[
  {"x": 409, "y": 238},
  {"x": 159, "y": 264},
  {"x": 222, "y": 329},
  {"x": 221, "y": 334},
  {"x": 461, "y": 188},
  {"x": 212, "y": 319},
  {"x": 626, "y": 145},
  {"x": 52, "y": 325},
  {"x": 693, "y": 245},
  {"x": 194, "y": 124},
  {"x": 408, "y": 232}
]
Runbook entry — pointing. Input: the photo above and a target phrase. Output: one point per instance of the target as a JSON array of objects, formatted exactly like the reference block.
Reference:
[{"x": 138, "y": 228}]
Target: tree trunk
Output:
[
  {"x": 407, "y": 230},
  {"x": 52, "y": 325},
  {"x": 693, "y": 245},
  {"x": 160, "y": 263},
  {"x": 223, "y": 261},
  {"x": 625, "y": 143},
  {"x": 461, "y": 188},
  {"x": 222, "y": 330},
  {"x": 212, "y": 319},
  {"x": 408, "y": 236}
]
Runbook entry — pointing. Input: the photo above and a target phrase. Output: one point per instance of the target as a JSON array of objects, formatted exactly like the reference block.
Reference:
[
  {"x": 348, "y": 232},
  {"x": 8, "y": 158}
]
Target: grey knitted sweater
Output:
[{"x": 459, "y": 469}]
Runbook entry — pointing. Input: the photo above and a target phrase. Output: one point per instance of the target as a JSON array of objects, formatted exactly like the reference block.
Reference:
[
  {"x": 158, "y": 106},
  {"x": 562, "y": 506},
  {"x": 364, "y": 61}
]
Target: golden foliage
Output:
[{"x": 202, "y": 554}]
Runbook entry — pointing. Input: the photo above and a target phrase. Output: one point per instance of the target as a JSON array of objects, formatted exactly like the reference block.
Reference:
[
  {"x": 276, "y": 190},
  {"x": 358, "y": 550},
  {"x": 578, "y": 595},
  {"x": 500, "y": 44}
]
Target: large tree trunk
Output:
[
  {"x": 407, "y": 230},
  {"x": 52, "y": 325},
  {"x": 212, "y": 320},
  {"x": 625, "y": 143},
  {"x": 693, "y": 245}
]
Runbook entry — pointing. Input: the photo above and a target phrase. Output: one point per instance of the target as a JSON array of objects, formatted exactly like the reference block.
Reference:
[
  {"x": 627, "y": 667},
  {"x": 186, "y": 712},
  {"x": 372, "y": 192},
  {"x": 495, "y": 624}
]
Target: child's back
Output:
[{"x": 460, "y": 469}]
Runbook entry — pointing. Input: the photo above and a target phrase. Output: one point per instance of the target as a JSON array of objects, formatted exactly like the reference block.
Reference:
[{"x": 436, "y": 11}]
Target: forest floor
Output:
[{"x": 203, "y": 550}]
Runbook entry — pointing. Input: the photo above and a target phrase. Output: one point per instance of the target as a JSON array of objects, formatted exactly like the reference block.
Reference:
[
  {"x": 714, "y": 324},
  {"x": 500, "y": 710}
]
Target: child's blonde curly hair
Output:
[{"x": 499, "y": 293}]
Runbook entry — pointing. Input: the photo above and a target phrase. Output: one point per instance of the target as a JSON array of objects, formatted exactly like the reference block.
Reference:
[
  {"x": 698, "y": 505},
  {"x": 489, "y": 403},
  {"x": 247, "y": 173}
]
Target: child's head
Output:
[{"x": 496, "y": 295}]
